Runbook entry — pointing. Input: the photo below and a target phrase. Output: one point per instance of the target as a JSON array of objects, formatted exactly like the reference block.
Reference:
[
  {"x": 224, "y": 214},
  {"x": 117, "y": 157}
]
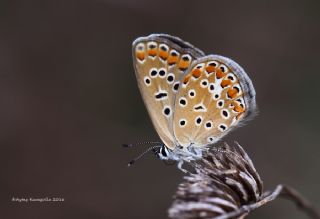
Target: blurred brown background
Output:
[{"x": 69, "y": 98}]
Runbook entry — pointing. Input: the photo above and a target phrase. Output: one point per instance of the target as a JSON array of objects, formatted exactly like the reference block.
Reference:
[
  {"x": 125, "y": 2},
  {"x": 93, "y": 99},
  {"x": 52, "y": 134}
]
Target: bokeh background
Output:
[{"x": 69, "y": 99}]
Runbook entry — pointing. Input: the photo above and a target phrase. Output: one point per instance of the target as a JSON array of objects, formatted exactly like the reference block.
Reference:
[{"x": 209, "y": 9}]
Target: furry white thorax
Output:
[{"x": 183, "y": 154}]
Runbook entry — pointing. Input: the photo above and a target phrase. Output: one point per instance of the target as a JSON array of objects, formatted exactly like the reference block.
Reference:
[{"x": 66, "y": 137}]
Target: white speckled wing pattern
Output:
[
  {"x": 215, "y": 95},
  {"x": 193, "y": 100},
  {"x": 160, "y": 61}
]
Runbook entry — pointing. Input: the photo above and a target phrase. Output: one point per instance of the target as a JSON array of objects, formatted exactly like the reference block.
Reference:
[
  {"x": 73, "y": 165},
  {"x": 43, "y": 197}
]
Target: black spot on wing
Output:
[
  {"x": 199, "y": 108},
  {"x": 161, "y": 95}
]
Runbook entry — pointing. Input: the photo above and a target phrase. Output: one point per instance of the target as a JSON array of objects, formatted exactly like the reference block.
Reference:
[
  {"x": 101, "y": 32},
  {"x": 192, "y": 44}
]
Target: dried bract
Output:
[{"x": 224, "y": 180}]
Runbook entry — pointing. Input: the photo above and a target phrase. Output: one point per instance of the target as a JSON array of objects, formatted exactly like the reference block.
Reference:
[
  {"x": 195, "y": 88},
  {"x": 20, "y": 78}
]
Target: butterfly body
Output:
[{"x": 193, "y": 99}]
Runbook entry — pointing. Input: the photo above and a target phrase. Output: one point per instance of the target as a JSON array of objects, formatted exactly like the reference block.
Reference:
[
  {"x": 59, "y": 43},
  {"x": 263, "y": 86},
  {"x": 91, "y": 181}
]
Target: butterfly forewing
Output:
[
  {"x": 214, "y": 96},
  {"x": 160, "y": 61}
]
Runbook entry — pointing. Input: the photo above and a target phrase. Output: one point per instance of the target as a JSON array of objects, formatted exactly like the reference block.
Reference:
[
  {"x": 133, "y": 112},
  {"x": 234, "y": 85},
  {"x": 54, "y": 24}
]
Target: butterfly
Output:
[{"x": 193, "y": 99}]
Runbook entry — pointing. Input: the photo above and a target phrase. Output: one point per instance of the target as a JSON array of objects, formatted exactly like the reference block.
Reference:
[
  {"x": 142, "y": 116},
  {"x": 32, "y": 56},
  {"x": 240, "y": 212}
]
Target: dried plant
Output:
[{"x": 226, "y": 185}]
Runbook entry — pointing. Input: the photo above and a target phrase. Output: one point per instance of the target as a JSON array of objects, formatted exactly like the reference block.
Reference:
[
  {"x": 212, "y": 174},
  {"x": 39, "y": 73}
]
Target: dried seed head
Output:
[{"x": 225, "y": 180}]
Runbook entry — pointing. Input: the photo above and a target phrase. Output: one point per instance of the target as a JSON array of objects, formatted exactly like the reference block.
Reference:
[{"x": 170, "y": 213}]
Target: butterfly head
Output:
[{"x": 180, "y": 153}]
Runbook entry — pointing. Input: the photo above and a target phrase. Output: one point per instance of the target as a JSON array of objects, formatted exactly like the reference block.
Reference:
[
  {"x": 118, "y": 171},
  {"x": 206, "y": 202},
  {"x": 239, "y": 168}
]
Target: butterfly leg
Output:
[
  {"x": 180, "y": 163},
  {"x": 195, "y": 153}
]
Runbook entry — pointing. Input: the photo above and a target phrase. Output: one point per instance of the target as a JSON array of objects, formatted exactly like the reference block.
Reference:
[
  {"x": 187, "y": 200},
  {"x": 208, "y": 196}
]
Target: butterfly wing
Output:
[
  {"x": 215, "y": 95},
  {"x": 159, "y": 62}
]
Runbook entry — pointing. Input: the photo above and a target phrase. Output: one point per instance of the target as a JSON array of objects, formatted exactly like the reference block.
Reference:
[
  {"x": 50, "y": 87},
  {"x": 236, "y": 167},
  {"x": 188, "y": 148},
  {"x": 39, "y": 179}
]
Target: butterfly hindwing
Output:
[
  {"x": 160, "y": 60},
  {"x": 214, "y": 96}
]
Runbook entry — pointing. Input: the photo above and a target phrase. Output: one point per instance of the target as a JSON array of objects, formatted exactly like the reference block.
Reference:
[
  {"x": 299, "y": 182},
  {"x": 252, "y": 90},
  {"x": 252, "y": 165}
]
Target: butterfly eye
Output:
[
  {"x": 163, "y": 152},
  {"x": 204, "y": 83},
  {"x": 192, "y": 93},
  {"x": 223, "y": 68}
]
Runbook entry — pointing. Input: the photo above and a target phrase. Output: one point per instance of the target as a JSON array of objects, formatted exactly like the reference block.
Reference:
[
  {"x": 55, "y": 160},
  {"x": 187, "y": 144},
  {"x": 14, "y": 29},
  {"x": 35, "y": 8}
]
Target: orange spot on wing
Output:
[
  {"x": 152, "y": 52},
  {"x": 219, "y": 73},
  {"x": 140, "y": 55},
  {"x": 163, "y": 54},
  {"x": 210, "y": 69},
  {"x": 225, "y": 83},
  {"x": 186, "y": 78},
  {"x": 183, "y": 65},
  {"x": 172, "y": 60},
  {"x": 196, "y": 73},
  {"x": 237, "y": 107},
  {"x": 232, "y": 93}
]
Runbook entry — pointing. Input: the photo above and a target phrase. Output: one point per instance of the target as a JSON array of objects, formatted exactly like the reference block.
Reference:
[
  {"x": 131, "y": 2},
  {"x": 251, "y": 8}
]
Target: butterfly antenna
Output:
[
  {"x": 142, "y": 154},
  {"x": 140, "y": 143}
]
